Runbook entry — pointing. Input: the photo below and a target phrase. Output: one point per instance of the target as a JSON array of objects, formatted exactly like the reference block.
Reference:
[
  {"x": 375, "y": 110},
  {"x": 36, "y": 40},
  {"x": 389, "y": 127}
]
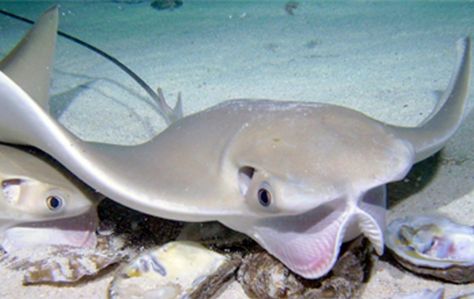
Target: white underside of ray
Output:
[{"x": 78, "y": 231}]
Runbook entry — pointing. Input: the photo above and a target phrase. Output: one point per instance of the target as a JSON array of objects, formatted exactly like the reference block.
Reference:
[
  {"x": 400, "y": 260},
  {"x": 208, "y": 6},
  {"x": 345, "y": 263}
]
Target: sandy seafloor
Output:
[{"x": 387, "y": 59}]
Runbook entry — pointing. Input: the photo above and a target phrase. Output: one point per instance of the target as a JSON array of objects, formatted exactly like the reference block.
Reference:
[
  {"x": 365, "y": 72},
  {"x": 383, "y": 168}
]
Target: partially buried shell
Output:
[
  {"x": 264, "y": 277},
  {"x": 175, "y": 270},
  {"x": 429, "y": 294},
  {"x": 434, "y": 246},
  {"x": 62, "y": 264}
]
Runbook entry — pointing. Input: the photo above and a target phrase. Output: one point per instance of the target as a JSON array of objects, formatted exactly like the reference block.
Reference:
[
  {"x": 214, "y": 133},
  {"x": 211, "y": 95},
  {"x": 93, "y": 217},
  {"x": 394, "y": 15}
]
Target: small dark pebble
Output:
[
  {"x": 129, "y": 1},
  {"x": 166, "y": 4},
  {"x": 290, "y": 7}
]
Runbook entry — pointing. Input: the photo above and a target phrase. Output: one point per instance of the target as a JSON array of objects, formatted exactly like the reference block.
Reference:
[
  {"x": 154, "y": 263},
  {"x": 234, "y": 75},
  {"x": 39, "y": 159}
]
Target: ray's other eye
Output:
[
  {"x": 11, "y": 190},
  {"x": 246, "y": 174},
  {"x": 54, "y": 203},
  {"x": 264, "y": 197}
]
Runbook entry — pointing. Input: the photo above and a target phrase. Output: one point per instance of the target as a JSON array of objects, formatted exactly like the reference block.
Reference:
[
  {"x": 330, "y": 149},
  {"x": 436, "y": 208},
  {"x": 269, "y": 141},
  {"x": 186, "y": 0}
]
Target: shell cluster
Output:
[
  {"x": 434, "y": 246},
  {"x": 183, "y": 269},
  {"x": 163, "y": 268}
]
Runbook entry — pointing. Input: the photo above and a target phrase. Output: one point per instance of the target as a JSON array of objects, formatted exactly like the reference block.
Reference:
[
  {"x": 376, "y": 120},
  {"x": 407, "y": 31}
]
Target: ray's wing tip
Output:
[
  {"x": 463, "y": 45},
  {"x": 50, "y": 15},
  {"x": 52, "y": 10}
]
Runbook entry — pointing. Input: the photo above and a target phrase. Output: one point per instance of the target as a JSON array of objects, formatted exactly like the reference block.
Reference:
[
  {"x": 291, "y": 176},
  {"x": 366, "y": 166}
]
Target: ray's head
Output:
[
  {"x": 290, "y": 161},
  {"x": 32, "y": 199},
  {"x": 42, "y": 204},
  {"x": 309, "y": 178}
]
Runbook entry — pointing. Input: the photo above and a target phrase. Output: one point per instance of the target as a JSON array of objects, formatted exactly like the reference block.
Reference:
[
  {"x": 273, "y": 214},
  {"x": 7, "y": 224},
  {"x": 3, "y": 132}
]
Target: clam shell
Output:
[
  {"x": 433, "y": 246},
  {"x": 174, "y": 270}
]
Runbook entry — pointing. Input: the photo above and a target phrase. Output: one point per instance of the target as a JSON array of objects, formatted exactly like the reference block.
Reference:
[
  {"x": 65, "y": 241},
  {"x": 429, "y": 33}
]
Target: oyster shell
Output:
[
  {"x": 434, "y": 246},
  {"x": 175, "y": 270},
  {"x": 62, "y": 264},
  {"x": 263, "y": 276}
]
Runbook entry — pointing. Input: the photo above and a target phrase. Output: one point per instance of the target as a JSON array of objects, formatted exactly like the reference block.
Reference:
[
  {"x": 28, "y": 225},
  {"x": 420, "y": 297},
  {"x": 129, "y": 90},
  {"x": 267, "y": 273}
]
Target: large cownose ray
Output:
[
  {"x": 299, "y": 178},
  {"x": 42, "y": 205}
]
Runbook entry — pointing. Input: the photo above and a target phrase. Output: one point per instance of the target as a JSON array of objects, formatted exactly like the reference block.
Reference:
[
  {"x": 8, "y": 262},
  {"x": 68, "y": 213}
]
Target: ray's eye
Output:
[
  {"x": 264, "y": 197},
  {"x": 54, "y": 203}
]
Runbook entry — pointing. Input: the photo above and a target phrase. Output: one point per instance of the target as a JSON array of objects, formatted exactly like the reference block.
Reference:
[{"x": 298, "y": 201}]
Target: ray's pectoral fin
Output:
[
  {"x": 434, "y": 132},
  {"x": 25, "y": 74},
  {"x": 41, "y": 41},
  {"x": 25, "y": 120}
]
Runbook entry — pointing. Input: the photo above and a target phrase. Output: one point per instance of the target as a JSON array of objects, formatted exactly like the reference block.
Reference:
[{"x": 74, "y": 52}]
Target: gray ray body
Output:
[{"x": 299, "y": 178}]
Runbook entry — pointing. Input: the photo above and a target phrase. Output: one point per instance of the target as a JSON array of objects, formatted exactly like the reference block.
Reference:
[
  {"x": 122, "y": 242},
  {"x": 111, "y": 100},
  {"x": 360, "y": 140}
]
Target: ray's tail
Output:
[{"x": 433, "y": 133}]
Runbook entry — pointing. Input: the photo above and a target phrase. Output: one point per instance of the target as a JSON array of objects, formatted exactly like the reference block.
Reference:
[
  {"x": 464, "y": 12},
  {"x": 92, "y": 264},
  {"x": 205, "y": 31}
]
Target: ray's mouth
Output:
[
  {"x": 309, "y": 243},
  {"x": 77, "y": 231}
]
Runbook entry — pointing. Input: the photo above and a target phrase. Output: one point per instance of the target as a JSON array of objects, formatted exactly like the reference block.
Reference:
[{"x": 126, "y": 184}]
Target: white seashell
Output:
[
  {"x": 69, "y": 268},
  {"x": 173, "y": 270},
  {"x": 433, "y": 246},
  {"x": 431, "y": 241}
]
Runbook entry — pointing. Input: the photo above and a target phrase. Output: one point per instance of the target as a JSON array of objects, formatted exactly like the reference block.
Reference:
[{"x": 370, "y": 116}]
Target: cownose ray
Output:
[
  {"x": 299, "y": 178},
  {"x": 40, "y": 204}
]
